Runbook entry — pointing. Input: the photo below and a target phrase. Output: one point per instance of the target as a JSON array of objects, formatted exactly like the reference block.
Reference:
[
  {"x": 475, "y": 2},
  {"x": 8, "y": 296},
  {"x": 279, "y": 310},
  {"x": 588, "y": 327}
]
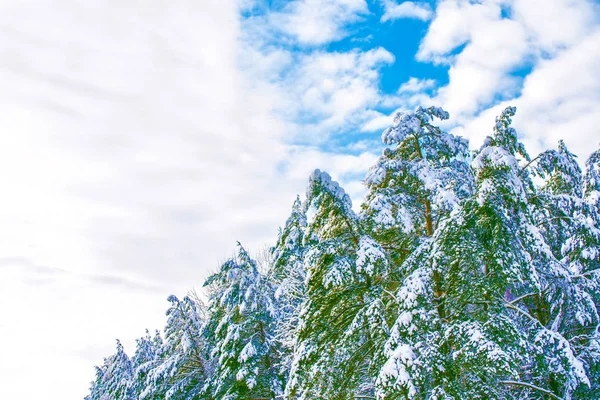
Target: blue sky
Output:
[
  {"x": 141, "y": 140},
  {"x": 470, "y": 57}
]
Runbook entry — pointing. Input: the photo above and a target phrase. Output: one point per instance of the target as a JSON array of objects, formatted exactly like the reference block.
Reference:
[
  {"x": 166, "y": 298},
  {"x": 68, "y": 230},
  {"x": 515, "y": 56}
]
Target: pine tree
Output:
[
  {"x": 566, "y": 221},
  {"x": 585, "y": 250},
  {"x": 287, "y": 274},
  {"x": 114, "y": 379},
  {"x": 417, "y": 181},
  {"x": 473, "y": 317},
  {"x": 341, "y": 322},
  {"x": 180, "y": 371},
  {"x": 414, "y": 186},
  {"x": 147, "y": 353},
  {"x": 582, "y": 252},
  {"x": 239, "y": 331},
  {"x": 505, "y": 136}
]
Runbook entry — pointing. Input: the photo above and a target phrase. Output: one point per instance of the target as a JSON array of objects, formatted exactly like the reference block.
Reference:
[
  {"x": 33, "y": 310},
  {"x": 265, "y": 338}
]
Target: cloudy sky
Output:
[{"x": 139, "y": 140}]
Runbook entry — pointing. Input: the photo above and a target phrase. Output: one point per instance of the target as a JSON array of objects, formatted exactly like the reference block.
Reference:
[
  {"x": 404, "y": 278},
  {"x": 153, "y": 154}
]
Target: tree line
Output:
[{"x": 463, "y": 275}]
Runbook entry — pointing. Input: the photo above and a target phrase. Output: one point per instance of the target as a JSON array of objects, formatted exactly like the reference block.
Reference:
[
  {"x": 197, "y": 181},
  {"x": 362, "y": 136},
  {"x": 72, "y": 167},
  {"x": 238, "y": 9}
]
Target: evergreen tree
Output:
[
  {"x": 239, "y": 332},
  {"x": 417, "y": 181},
  {"x": 341, "y": 323},
  {"x": 147, "y": 353},
  {"x": 473, "y": 317},
  {"x": 585, "y": 248},
  {"x": 114, "y": 378},
  {"x": 582, "y": 252},
  {"x": 567, "y": 222},
  {"x": 180, "y": 371},
  {"x": 415, "y": 184},
  {"x": 287, "y": 274},
  {"x": 505, "y": 136}
]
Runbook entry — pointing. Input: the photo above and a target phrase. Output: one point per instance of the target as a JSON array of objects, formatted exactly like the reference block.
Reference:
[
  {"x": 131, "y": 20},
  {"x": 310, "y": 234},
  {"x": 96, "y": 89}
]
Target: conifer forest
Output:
[{"x": 464, "y": 274}]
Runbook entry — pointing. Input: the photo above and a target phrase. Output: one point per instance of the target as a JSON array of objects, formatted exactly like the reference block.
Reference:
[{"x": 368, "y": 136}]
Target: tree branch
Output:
[
  {"x": 530, "y": 386},
  {"x": 528, "y": 164},
  {"x": 522, "y": 312},
  {"x": 522, "y": 297}
]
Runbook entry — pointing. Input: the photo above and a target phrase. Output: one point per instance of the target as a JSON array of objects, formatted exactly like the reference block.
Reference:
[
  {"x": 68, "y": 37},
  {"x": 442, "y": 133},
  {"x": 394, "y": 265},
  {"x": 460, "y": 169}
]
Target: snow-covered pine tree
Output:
[
  {"x": 341, "y": 322},
  {"x": 114, "y": 379},
  {"x": 239, "y": 332},
  {"x": 566, "y": 221},
  {"x": 417, "y": 181},
  {"x": 505, "y": 136},
  {"x": 420, "y": 178},
  {"x": 564, "y": 218},
  {"x": 146, "y": 357},
  {"x": 290, "y": 247},
  {"x": 180, "y": 371},
  {"x": 586, "y": 250},
  {"x": 472, "y": 319},
  {"x": 97, "y": 386},
  {"x": 582, "y": 252},
  {"x": 591, "y": 179},
  {"x": 287, "y": 274}
]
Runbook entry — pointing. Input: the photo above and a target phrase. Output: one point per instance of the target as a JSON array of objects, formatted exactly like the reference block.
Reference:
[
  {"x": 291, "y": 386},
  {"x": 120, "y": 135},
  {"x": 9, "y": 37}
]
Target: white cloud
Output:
[
  {"x": 406, "y": 9},
  {"x": 453, "y": 26},
  {"x": 135, "y": 154},
  {"x": 410, "y": 94},
  {"x": 318, "y": 93},
  {"x": 316, "y": 22},
  {"x": 337, "y": 87},
  {"x": 415, "y": 85},
  {"x": 377, "y": 122},
  {"x": 557, "y": 24},
  {"x": 344, "y": 168},
  {"x": 557, "y": 99},
  {"x": 479, "y": 72},
  {"x": 561, "y": 99}
]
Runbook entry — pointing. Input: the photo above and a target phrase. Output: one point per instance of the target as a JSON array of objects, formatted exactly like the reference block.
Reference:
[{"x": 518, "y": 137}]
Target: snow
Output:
[
  {"x": 368, "y": 254},
  {"x": 332, "y": 187},
  {"x": 395, "y": 371},
  {"x": 248, "y": 352},
  {"x": 495, "y": 157},
  {"x": 411, "y": 123}
]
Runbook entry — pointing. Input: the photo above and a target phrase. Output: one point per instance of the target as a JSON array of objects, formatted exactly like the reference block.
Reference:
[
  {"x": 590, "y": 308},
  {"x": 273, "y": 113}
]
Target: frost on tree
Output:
[
  {"x": 342, "y": 321},
  {"x": 239, "y": 332}
]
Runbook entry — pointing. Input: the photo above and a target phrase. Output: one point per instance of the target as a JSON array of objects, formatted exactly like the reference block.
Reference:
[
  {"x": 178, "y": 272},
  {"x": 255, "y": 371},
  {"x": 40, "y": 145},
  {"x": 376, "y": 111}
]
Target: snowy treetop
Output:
[
  {"x": 320, "y": 180},
  {"x": 412, "y": 123}
]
